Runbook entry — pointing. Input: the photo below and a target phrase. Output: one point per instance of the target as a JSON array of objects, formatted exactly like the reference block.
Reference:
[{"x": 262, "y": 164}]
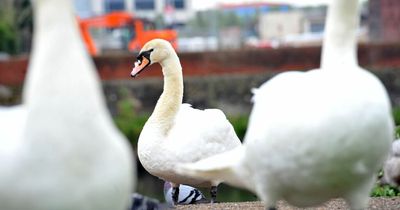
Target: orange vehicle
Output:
[{"x": 138, "y": 33}]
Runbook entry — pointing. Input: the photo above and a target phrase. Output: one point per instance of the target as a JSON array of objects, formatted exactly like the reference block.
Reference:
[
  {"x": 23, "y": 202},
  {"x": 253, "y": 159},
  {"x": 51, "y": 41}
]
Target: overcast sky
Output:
[{"x": 205, "y": 4}]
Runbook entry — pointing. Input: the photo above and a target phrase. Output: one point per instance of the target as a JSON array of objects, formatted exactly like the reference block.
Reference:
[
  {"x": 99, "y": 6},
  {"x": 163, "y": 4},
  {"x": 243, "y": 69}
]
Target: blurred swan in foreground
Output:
[
  {"x": 175, "y": 132},
  {"x": 313, "y": 136},
  {"x": 64, "y": 151}
]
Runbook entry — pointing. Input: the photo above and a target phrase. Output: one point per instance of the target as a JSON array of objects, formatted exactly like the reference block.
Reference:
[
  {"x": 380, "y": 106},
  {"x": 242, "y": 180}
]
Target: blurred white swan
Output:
[
  {"x": 313, "y": 136},
  {"x": 61, "y": 150},
  {"x": 175, "y": 132}
]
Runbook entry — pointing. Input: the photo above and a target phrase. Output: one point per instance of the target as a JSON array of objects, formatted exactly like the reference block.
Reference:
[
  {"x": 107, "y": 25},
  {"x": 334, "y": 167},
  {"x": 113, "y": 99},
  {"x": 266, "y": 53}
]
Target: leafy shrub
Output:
[
  {"x": 385, "y": 191},
  {"x": 127, "y": 120},
  {"x": 396, "y": 115},
  {"x": 239, "y": 123}
]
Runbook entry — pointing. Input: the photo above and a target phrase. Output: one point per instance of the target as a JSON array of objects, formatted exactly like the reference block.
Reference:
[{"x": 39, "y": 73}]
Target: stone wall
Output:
[{"x": 230, "y": 93}]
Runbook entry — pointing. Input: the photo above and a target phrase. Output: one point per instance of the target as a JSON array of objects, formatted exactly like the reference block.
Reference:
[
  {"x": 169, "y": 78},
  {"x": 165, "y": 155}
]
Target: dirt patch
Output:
[{"x": 374, "y": 203}]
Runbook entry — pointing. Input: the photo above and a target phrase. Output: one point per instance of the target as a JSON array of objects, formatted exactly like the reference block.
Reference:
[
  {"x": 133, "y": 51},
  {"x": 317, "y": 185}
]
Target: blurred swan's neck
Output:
[
  {"x": 61, "y": 73},
  {"x": 61, "y": 87},
  {"x": 339, "y": 46},
  {"x": 171, "y": 99}
]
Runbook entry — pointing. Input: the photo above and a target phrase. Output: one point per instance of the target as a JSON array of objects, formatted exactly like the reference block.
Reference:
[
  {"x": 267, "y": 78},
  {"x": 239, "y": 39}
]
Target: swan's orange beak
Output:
[{"x": 140, "y": 65}]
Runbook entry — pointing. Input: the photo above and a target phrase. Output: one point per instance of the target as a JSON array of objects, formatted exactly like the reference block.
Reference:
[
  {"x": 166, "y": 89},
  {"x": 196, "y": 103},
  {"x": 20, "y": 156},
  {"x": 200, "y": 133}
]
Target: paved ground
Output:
[{"x": 336, "y": 204}]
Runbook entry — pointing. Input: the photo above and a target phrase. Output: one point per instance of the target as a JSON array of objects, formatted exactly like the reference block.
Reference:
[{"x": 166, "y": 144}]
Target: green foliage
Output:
[
  {"x": 227, "y": 193},
  {"x": 15, "y": 26},
  {"x": 385, "y": 191},
  {"x": 8, "y": 42},
  {"x": 127, "y": 119},
  {"x": 396, "y": 115},
  {"x": 239, "y": 124},
  {"x": 131, "y": 127}
]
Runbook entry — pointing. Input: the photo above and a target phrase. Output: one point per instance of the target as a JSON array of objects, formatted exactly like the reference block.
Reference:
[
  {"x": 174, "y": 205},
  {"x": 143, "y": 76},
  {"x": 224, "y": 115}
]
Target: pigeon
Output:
[
  {"x": 187, "y": 194},
  {"x": 141, "y": 202}
]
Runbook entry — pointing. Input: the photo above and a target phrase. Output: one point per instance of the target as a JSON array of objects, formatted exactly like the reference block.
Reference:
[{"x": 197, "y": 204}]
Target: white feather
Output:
[{"x": 196, "y": 134}]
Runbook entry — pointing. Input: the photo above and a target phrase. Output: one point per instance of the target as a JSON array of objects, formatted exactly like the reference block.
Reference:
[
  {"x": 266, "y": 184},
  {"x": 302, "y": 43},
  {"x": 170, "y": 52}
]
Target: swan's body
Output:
[
  {"x": 176, "y": 133},
  {"x": 196, "y": 134},
  {"x": 66, "y": 154},
  {"x": 313, "y": 136},
  {"x": 12, "y": 120}
]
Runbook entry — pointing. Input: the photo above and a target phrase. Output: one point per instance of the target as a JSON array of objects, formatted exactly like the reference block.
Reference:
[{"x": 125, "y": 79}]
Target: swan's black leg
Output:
[
  {"x": 271, "y": 208},
  {"x": 175, "y": 194},
  {"x": 213, "y": 193}
]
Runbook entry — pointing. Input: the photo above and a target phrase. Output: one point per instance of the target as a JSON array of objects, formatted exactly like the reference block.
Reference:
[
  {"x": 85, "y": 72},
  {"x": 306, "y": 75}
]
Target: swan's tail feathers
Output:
[{"x": 223, "y": 167}]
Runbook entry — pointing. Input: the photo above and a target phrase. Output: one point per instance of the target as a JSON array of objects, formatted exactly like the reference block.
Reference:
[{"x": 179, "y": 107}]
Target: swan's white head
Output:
[{"x": 154, "y": 51}]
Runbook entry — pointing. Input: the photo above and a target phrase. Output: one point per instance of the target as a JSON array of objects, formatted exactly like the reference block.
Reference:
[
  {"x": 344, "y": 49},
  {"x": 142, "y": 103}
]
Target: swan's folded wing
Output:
[
  {"x": 206, "y": 129},
  {"x": 224, "y": 167}
]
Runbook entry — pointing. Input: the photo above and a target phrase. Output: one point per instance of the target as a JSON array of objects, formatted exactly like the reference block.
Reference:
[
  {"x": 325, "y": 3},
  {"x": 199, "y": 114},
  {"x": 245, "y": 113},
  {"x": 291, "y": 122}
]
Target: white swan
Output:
[
  {"x": 313, "y": 136},
  {"x": 65, "y": 152},
  {"x": 175, "y": 132}
]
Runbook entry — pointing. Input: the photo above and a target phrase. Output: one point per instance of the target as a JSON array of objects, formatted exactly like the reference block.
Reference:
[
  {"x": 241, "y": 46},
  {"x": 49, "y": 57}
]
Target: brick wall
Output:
[
  {"x": 216, "y": 79},
  {"x": 249, "y": 61}
]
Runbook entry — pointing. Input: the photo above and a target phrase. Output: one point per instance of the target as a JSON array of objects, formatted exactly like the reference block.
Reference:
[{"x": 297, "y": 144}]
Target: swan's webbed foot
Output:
[
  {"x": 213, "y": 192},
  {"x": 175, "y": 195}
]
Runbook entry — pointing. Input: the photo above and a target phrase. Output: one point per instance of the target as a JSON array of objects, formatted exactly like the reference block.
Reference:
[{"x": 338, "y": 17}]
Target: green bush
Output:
[
  {"x": 8, "y": 41},
  {"x": 127, "y": 119},
  {"x": 385, "y": 191},
  {"x": 131, "y": 127},
  {"x": 396, "y": 115},
  {"x": 239, "y": 123}
]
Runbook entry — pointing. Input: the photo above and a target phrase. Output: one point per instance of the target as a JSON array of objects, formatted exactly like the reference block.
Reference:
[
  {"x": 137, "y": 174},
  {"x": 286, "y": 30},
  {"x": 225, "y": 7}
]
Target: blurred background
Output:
[{"x": 226, "y": 48}]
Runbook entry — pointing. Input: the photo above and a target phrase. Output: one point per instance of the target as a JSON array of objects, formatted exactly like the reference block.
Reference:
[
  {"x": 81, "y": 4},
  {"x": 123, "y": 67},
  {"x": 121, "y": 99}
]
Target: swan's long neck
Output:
[
  {"x": 61, "y": 86},
  {"x": 171, "y": 99},
  {"x": 339, "y": 46}
]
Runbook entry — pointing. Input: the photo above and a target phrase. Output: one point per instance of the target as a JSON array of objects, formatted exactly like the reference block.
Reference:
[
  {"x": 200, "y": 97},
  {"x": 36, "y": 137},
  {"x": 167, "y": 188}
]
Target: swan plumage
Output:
[
  {"x": 64, "y": 152},
  {"x": 313, "y": 136},
  {"x": 175, "y": 132},
  {"x": 13, "y": 118}
]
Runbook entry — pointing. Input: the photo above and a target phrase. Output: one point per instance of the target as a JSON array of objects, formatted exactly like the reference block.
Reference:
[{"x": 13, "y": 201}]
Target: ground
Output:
[{"x": 381, "y": 203}]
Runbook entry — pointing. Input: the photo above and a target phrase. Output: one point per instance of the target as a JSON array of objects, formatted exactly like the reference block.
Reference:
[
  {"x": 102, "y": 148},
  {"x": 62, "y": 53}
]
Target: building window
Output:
[
  {"x": 179, "y": 4},
  {"x": 144, "y": 4},
  {"x": 317, "y": 27},
  {"x": 83, "y": 8},
  {"x": 176, "y": 4},
  {"x": 114, "y": 5}
]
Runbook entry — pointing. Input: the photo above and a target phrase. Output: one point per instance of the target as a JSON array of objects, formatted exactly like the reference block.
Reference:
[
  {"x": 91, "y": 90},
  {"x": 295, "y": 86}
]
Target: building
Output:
[
  {"x": 249, "y": 9},
  {"x": 295, "y": 27},
  {"x": 384, "y": 20},
  {"x": 277, "y": 25},
  {"x": 172, "y": 11}
]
